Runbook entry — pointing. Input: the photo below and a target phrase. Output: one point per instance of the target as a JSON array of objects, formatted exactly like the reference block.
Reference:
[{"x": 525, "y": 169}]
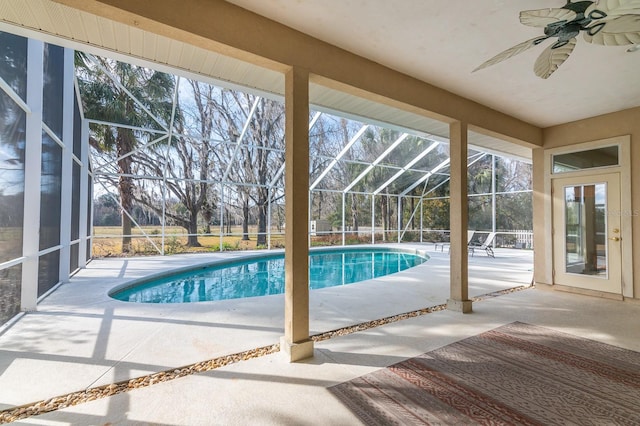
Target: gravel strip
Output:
[{"x": 91, "y": 394}]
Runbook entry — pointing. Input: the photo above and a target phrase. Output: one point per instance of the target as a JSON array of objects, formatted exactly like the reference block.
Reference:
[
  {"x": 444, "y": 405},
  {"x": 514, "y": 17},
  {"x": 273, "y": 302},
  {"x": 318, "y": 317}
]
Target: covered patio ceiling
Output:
[
  {"x": 441, "y": 42},
  {"x": 57, "y": 23}
]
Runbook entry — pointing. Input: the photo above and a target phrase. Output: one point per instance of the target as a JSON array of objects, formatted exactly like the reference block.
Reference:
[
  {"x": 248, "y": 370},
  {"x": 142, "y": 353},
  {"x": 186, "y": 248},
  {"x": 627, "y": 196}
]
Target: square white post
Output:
[
  {"x": 66, "y": 180},
  {"x": 85, "y": 209},
  {"x": 32, "y": 176}
]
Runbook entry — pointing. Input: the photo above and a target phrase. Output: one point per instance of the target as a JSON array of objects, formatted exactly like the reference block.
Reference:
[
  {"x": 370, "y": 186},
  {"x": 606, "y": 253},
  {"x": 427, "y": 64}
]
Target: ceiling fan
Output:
[{"x": 605, "y": 22}]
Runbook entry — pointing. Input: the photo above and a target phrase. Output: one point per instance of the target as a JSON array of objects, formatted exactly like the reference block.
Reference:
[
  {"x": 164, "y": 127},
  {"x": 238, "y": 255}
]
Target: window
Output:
[{"x": 599, "y": 157}]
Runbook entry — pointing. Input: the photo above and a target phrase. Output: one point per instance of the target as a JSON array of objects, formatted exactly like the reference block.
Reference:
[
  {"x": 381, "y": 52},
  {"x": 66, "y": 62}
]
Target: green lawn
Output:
[{"x": 108, "y": 241}]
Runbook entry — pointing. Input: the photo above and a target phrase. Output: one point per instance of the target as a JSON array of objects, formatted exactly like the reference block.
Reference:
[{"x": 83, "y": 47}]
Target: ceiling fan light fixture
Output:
[{"x": 607, "y": 23}]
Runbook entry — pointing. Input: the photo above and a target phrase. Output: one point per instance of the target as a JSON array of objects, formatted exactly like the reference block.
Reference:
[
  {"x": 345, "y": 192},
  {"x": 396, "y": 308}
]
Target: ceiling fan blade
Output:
[
  {"x": 620, "y": 31},
  {"x": 511, "y": 52},
  {"x": 614, "y": 8},
  {"x": 550, "y": 59},
  {"x": 544, "y": 17}
]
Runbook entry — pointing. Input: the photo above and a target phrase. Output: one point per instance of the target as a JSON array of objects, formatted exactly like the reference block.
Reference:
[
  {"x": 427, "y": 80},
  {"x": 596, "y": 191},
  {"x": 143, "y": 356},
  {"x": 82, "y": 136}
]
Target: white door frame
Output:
[
  {"x": 626, "y": 211},
  {"x": 611, "y": 280}
]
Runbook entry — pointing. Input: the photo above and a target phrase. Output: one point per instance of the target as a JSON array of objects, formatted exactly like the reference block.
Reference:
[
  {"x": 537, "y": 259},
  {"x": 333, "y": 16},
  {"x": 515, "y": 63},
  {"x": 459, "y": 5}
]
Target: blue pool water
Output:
[{"x": 265, "y": 276}]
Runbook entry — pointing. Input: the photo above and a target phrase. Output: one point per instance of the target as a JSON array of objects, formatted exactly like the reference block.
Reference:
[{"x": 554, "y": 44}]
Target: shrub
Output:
[{"x": 173, "y": 246}]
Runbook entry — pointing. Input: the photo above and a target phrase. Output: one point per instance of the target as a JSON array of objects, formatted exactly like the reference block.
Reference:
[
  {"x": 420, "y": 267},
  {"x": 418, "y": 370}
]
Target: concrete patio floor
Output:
[{"x": 81, "y": 338}]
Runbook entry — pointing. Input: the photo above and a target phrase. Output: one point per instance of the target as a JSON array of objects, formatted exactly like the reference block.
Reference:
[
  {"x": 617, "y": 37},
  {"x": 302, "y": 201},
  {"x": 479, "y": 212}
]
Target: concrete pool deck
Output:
[{"x": 81, "y": 338}]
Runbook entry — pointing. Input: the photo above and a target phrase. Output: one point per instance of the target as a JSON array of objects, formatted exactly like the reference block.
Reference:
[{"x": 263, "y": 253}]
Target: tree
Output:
[
  {"x": 105, "y": 97},
  {"x": 106, "y": 211},
  {"x": 349, "y": 170},
  {"x": 192, "y": 161},
  {"x": 325, "y": 141},
  {"x": 375, "y": 142},
  {"x": 255, "y": 159},
  {"x": 267, "y": 132}
]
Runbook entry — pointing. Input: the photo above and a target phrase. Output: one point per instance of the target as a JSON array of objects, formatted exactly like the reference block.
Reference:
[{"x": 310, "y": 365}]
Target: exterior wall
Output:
[{"x": 620, "y": 123}]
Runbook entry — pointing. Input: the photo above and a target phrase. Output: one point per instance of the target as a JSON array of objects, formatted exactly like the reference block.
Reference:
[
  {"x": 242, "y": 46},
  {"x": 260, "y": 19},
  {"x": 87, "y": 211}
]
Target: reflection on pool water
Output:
[{"x": 265, "y": 276}]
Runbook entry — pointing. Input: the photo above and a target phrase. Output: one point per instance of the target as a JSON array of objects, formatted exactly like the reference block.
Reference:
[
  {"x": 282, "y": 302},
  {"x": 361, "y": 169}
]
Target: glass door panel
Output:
[{"x": 586, "y": 229}]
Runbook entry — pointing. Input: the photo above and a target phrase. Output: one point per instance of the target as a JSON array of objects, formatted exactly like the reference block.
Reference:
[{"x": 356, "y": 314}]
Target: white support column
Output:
[
  {"x": 32, "y": 176},
  {"x": 421, "y": 218},
  {"x": 221, "y": 216},
  {"x": 373, "y": 219},
  {"x": 269, "y": 217},
  {"x": 399, "y": 216},
  {"x": 296, "y": 343},
  {"x": 66, "y": 181},
  {"x": 314, "y": 120},
  {"x": 90, "y": 234},
  {"x": 310, "y": 207},
  {"x": 344, "y": 207},
  {"x": 458, "y": 218},
  {"x": 493, "y": 197},
  {"x": 273, "y": 182},
  {"x": 85, "y": 212}
]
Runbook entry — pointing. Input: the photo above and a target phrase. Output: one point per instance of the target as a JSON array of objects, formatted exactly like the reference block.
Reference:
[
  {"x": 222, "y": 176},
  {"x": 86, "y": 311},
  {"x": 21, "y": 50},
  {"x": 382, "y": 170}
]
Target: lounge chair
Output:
[
  {"x": 486, "y": 245},
  {"x": 448, "y": 245}
]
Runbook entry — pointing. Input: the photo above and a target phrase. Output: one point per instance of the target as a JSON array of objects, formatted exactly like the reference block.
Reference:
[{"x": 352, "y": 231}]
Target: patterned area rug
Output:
[{"x": 517, "y": 374}]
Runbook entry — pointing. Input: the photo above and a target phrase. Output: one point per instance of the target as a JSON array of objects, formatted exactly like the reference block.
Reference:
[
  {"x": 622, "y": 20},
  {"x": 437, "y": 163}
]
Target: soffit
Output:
[{"x": 83, "y": 31}]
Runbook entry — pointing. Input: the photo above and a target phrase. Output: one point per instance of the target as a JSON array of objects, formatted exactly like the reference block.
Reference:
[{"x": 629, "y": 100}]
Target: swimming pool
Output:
[{"x": 264, "y": 276}]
